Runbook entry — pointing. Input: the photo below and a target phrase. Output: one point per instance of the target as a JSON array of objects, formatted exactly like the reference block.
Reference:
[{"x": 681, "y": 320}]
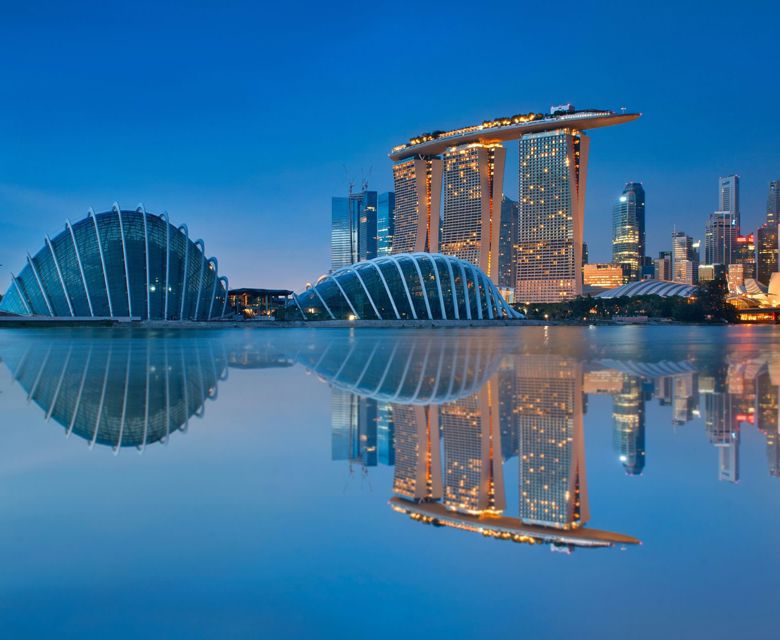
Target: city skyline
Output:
[{"x": 198, "y": 158}]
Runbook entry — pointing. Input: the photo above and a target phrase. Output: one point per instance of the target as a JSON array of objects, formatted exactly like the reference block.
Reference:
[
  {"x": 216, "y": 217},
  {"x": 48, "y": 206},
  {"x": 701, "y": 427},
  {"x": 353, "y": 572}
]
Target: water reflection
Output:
[
  {"x": 483, "y": 434},
  {"x": 119, "y": 392}
]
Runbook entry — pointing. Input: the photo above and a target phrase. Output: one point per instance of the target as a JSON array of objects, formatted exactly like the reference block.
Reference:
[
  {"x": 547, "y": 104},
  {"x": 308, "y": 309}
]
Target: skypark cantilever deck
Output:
[
  {"x": 451, "y": 184},
  {"x": 509, "y": 128}
]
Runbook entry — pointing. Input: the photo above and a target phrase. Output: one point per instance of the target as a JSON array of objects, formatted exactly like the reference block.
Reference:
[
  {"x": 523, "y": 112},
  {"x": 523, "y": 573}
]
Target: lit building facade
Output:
[
  {"x": 628, "y": 230},
  {"x": 385, "y": 223},
  {"x": 549, "y": 251},
  {"x": 473, "y": 178},
  {"x": 628, "y": 419},
  {"x": 553, "y": 487},
  {"x": 553, "y": 167},
  {"x": 120, "y": 264},
  {"x": 417, "y": 204},
  {"x": 766, "y": 252},
  {"x": 745, "y": 255},
  {"x": 603, "y": 275},
  {"x": 473, "y": 481}
]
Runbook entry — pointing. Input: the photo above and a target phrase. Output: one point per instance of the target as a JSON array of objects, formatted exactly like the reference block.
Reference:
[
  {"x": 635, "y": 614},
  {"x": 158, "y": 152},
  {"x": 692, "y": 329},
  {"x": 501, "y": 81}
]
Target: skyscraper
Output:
[
  {"x": 417, "y": 194},
  {"x": 341, "y": 240},
  {"x": 553, "y": 167},
  {"x": 745, "y": 255},
  {"x": 773, "y": 203},
  {"x": 506, "y": 244},
  {"x": 720, "y": 237},
  {"x": 766, "y": 257},
  {"x": 353, "y": 235},
  {"x": 628, "y": 230},
  {"x": 663, "y": 266},
  {"x": 728, "y": 197},
  {"x": 683, "y": 268},
  {"x": 385, "y": 223},
  {"x": 473, "y": 184}
]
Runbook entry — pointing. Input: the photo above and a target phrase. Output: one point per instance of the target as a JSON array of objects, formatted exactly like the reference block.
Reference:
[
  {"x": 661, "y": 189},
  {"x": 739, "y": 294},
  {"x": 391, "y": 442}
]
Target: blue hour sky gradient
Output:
[{"x": 239, "y": 118}]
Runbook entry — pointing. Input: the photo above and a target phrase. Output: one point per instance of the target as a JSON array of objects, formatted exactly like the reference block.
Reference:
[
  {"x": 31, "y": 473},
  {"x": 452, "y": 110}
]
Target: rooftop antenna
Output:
[
  {"x": 350, "y": 180},
  {"x": 364, "y": 179}
]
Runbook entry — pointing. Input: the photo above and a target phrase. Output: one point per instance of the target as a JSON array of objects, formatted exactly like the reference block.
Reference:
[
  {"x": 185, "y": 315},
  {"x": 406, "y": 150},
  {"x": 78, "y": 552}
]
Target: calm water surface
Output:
[{"x": 614, "y": 482}]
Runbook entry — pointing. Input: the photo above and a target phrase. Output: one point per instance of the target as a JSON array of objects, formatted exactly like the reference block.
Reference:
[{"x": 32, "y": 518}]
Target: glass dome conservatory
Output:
[
  {"x": 120, "y": 264},
  {"x": 411, "y": 286}
]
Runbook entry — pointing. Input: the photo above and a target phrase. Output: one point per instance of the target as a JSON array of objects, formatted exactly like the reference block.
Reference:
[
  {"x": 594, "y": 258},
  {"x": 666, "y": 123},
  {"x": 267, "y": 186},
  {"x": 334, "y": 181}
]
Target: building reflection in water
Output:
[
  {"x": 450, "y": 449},
  {"x": 448, "y": 415},
  {"x": 119, "y": 393}
]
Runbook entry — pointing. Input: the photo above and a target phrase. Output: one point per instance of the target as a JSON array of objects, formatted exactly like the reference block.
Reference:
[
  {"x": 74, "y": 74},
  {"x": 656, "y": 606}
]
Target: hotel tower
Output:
[
  {"x": 417, "y": 195},
  {"x": 473, "y": 186},
  {"x": 470, "y": 161},
  {"x": 553, "y": 167}
]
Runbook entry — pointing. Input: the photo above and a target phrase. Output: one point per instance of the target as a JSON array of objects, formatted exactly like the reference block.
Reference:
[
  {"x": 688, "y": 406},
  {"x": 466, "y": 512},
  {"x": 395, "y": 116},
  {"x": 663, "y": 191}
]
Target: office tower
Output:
[
  {"x": 553, "y": 168},
  {"x": 506, "y": 244},
  {"x": 773, "y": 203},
  {"x": 417, "y": 471},
  {"x": 549, "y": 408},
  {"x": 417, "y": 203},
  {"x": 385, "y": 223},
  {"x": 728, "y": 197},
  {"x": 604, "y": 275},
  {"x": 766, "y": 257},
  {"x": 628, "y": 420},
  {"x": 720, "y": 237},
  {"x": 696, "y": 257},
  {"x": 353, "y": 235},
  {"x": 682, "y": 258},
  {"x": 628, "y": 230},
  {"x": 745, "y": 255},
  {"x": 473, "y": 481},
  {"x": 473, "y": 181},
  {"x": 663, "y": 266}
]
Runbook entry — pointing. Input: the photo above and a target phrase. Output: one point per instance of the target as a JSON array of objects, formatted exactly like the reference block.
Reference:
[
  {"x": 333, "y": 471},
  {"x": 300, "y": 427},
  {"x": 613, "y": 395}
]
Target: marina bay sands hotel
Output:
[{"x": 467, "y": 165}]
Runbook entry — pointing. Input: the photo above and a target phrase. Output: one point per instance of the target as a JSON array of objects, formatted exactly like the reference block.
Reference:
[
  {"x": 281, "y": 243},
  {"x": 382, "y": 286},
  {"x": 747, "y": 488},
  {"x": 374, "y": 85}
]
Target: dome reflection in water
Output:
[{"x": 119, "y": 391}]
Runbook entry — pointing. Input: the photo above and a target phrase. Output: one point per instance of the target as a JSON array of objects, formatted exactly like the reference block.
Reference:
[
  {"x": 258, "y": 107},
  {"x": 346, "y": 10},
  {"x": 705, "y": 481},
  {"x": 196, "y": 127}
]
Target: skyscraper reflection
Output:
[{"x": 452, "y": 453}]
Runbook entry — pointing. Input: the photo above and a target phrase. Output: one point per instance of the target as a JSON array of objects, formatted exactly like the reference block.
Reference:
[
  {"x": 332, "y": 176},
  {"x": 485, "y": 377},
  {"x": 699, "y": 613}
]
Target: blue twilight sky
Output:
[{"x": 239, "y": 118}]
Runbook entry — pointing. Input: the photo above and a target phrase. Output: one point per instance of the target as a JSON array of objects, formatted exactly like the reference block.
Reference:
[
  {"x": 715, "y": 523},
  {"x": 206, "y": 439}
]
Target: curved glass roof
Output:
[
  {"x": 650, "y": 288},
  {"x": 120, "y": 264},
  {"x": 406, "y": 286}
]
